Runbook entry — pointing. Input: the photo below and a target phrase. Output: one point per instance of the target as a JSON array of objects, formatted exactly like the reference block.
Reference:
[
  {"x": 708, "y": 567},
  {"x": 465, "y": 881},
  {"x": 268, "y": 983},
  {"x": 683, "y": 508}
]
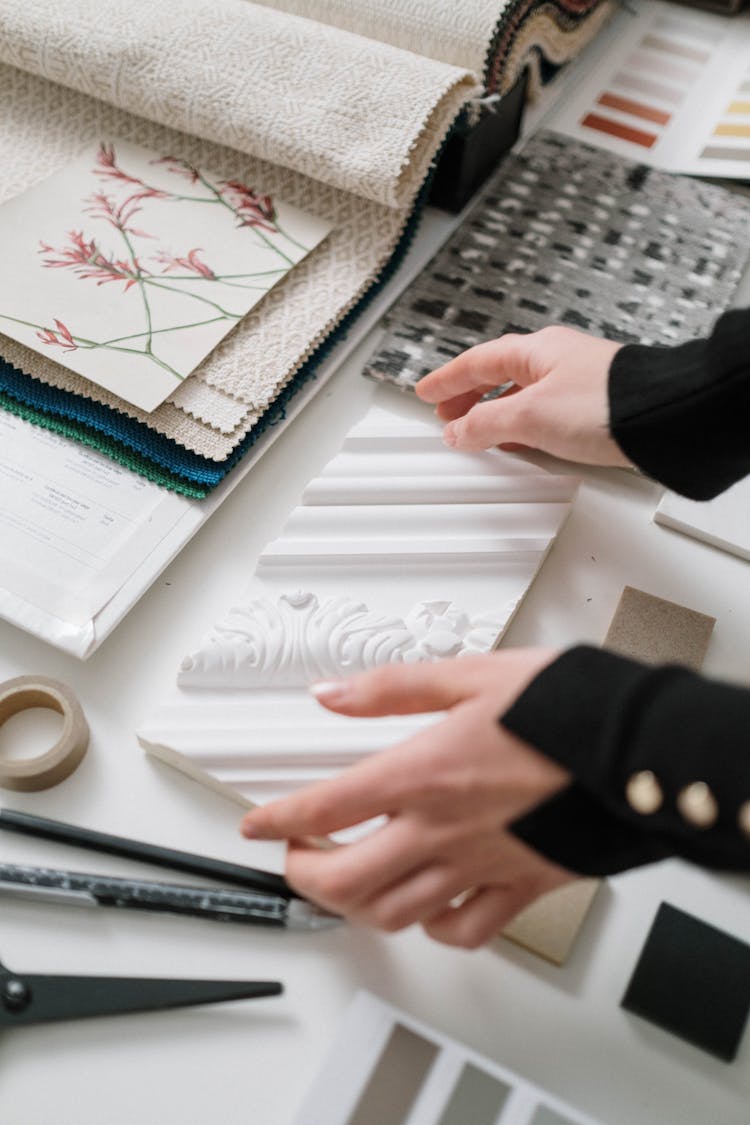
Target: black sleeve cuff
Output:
[
  {"x": 681, "y": 414},
  {"x": 604, "y": 718},
  {"x": 579, "y": 833}
]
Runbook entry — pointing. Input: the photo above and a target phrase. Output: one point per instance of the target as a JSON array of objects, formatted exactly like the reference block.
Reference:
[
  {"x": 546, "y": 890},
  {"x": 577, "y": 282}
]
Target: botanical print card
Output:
[{"x": 129, "y": 266}]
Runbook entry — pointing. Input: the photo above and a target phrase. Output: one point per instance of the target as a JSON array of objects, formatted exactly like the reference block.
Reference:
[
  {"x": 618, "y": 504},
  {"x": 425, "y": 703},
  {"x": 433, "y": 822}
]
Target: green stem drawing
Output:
[
  {"x": 223, "y": 276},
  {"x": 89, "y": 345},
  {"x": 141, "y": 287},
  {"x": 161, "y": 331},
  {"x": 192, "y": 296},
  {"x": 217, "y": 197},
  {"x": 220, "y": 199}
]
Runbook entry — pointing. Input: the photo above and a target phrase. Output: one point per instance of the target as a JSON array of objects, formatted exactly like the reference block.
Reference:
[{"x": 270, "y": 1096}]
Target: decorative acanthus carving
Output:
[{"x": 296, "y": 638}]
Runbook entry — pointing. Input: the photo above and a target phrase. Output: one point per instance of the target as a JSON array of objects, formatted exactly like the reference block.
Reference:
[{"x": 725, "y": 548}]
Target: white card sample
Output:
[
  {"x": 671, "y": 88},
  {"x": 723, "y": 522},
  {"x": 386, "y": 1068},
  {"x": 129, "y": 266},
  {"x": 402, "y": 550}
]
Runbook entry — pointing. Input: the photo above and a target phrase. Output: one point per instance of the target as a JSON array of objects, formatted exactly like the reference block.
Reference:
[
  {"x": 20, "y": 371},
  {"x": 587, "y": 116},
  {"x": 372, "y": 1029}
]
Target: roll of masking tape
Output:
[{"x": 57, "y": 763}]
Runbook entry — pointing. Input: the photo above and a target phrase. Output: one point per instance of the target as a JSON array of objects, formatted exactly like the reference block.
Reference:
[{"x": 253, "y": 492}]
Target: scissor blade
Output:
[{"x": 27, "y": 998}]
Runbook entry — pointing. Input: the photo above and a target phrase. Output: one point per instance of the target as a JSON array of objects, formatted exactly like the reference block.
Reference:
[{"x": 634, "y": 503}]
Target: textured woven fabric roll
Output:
[{"x": 479, "y": 35}]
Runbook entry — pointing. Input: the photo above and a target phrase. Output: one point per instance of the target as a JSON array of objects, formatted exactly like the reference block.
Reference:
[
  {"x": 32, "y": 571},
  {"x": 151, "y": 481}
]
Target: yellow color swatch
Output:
[
  {"x": 729, "y": 130},
  {"x": 738, "y": 107}
]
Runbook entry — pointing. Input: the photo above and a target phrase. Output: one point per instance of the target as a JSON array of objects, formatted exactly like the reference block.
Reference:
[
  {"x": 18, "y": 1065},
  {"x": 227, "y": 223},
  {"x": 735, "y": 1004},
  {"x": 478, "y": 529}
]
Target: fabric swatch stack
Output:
[{"x": 337, "y": 107}]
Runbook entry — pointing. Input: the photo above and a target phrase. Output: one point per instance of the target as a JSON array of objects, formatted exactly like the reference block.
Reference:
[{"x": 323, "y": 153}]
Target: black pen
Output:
[
  {"x": 47, "y": 884},
  {"x": 223, "y": 872}
]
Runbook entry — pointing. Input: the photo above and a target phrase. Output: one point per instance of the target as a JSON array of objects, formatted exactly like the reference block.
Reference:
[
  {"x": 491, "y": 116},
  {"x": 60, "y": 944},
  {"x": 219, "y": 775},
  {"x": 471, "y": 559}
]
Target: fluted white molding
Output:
[
  {"x": 401, "y": 550},
  {"x": 253, "y": 746}
]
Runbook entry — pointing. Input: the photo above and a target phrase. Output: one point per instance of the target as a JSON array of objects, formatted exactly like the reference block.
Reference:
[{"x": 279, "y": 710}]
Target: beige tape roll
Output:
[{"x": 57, "y": 763}]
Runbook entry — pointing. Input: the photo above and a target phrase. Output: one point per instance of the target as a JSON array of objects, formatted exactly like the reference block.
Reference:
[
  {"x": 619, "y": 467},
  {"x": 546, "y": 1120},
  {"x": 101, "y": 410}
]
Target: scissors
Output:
[{"x": 27, "y": 998}]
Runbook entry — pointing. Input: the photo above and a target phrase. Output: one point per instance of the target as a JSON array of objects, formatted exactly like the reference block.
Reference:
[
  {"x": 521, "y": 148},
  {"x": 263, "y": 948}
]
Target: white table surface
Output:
[{"x": 250, "y": 1063}]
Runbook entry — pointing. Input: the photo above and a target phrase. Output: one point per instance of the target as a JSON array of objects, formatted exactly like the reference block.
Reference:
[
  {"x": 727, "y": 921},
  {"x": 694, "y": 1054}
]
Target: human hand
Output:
[
  {"x": 559, "y": 403},
  {"x": 449, "y": 793}
]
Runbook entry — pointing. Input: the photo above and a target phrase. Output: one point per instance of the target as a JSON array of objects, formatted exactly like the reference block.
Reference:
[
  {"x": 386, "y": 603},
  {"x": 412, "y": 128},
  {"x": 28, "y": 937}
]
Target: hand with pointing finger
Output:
[
  {"x": 559, "y": 402},
  {"x": 449, "y": 794}
]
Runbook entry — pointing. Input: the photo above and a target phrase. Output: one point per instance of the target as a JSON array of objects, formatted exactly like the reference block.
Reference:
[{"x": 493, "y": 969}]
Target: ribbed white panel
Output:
[
  {"x": 401, "y": 550},
  {"x": 473, "y": 488},
  {"x": 256, "y": 743}
]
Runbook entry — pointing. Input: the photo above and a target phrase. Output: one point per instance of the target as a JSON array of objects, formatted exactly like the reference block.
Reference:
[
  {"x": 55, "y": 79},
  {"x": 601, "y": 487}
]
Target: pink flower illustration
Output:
[
  {"x": 48, "y": 336},
  {"x": 117, "y": 215},
  {"x": 122, "y": 198},
  {"x": 107, "y": 166},
  {"x": 84, "y": 257},
  {"x": 252, "y": 210},
  {"x": 180, "y": 167},
  {"x": 190, "y": 261}
]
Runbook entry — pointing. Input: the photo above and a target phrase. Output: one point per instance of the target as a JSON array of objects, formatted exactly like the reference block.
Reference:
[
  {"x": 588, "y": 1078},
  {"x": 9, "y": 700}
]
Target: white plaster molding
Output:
[
  {"x": 297, "y": 638},
  {"x": 401, "y": 550},
  {"x": 252, "y": 746}
]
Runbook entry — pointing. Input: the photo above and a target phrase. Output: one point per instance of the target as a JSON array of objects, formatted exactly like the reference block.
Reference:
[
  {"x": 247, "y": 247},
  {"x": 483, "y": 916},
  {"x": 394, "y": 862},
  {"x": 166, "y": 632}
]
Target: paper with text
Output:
[{"x": 73, "y": 525}]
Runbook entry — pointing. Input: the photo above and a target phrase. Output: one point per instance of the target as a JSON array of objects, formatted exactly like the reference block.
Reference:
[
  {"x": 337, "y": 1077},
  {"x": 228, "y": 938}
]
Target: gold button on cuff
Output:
[
  {"x": 743, "y": 818},
  {"x": 644, "y": 793},
  {"x": 697, "y": 805}
]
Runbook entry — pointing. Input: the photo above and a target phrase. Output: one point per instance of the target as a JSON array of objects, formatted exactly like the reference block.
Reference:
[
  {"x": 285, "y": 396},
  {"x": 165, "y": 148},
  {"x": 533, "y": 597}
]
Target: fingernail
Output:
[
  {"x": 247, "y": 829},
  {"x": 331, "y": 691},
  {"x": 450, "y": 436}
]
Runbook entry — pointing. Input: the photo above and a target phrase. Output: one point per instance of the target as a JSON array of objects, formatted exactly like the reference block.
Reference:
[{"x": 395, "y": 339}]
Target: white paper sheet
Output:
[{"x": 73, "y": 524}]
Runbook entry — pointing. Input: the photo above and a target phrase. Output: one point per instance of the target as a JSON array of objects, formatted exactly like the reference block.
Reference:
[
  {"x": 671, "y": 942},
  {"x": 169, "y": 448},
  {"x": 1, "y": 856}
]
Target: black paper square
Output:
[{"x": 694, "y": 980}]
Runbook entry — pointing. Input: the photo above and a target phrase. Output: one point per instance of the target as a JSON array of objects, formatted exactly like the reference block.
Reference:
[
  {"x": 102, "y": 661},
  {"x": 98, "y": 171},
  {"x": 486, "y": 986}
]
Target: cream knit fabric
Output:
[{"x": 452, "y": 31}]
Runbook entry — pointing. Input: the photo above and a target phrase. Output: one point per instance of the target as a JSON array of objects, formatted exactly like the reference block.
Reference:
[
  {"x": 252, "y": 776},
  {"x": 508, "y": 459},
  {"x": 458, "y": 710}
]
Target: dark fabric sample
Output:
[{"x": 694, "y": 980}]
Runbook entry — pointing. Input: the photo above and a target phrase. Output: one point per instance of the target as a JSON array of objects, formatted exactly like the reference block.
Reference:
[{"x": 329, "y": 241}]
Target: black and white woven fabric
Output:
[{"x": 569, "y": 234}]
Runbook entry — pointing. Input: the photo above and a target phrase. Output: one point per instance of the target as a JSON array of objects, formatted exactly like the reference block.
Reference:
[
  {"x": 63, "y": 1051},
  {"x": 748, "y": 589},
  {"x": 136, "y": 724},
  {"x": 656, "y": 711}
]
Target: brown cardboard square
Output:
[{"x": 550, "y": 926}]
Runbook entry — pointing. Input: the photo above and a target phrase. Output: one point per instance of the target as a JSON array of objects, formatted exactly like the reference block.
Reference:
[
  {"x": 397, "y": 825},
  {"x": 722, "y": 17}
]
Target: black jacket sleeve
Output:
[
  {"x": 609, "y": 720},
  {"x": 682, "y": 414}
]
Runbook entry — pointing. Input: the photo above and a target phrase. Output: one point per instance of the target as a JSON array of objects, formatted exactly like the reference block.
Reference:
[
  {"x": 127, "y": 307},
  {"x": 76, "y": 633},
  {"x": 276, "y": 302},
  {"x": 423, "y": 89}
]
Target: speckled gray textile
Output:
[{"x": 568, "y": 234}]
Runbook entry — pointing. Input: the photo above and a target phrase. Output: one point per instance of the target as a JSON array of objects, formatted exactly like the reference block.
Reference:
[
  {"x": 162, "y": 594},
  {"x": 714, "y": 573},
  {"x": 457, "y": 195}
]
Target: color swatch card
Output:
[
  {"x": 671, "y": 88},
  {"x": 128, "y": 266},
  {"x": 569, "y": 234},
  {"x": 387, "y": 1069}
]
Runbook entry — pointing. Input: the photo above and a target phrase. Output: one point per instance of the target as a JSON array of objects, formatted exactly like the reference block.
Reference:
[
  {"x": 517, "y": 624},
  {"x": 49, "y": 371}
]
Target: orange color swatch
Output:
[
  {"x": 636, "y": 109},
  {"x": 616, "y": 129}
]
